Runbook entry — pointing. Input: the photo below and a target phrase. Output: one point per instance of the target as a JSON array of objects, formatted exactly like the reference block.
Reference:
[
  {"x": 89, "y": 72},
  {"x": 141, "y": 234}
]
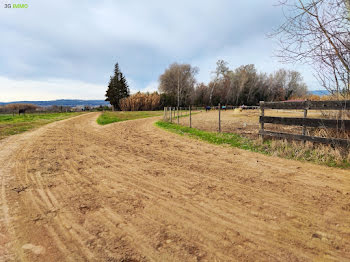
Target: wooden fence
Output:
[{"x": 304, "y": 121}]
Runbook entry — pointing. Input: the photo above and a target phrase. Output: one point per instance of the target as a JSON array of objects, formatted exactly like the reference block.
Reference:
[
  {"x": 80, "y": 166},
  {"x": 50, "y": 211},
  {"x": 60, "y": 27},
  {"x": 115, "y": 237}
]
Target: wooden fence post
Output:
[
  {"x": 262, "y": 113},
  {"x": 190, "y": 118},
  {"x": 219, "y": 118},
  {"x": 177, "y": 115},
  {"x": 305, "y": 116},
  {"x": 305, "y": 122},
  {"x": 171, "y": 116}
]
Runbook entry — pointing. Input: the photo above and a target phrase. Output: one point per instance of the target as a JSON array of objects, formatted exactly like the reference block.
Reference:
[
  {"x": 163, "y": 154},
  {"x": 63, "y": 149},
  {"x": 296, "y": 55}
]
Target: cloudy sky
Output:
[{"x": 67, "y": 49}]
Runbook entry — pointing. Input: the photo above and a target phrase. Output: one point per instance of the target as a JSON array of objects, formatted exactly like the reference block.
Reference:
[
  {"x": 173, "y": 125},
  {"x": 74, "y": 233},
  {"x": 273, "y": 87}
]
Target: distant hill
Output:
[
  {"x": 62, "y": 102},
  {"x": 93, "y": 103},
  {"x": 320, "y": 92}
]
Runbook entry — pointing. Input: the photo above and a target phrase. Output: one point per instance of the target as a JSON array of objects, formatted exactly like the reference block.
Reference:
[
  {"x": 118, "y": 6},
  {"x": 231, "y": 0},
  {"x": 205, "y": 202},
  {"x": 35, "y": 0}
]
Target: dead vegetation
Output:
[
  {"x": 246, "y": 123},
  {"x": 18, "y": 108},
  {"x": 141, "y": 102}
]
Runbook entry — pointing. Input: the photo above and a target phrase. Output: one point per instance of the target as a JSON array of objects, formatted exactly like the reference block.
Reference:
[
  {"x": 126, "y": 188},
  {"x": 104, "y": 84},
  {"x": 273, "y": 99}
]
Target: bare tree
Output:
[
  {"x": 178, "y": 81},
  {"x": 20, "y": 108},
  {"x": 220, "y": 72},
  {"x": 285, "y": 84},
  {"x": 317, "y": 32}
]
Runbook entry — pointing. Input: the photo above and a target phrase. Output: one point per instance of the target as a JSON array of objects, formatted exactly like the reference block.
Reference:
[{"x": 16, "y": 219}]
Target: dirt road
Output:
[{"x": 76, "y": 191}]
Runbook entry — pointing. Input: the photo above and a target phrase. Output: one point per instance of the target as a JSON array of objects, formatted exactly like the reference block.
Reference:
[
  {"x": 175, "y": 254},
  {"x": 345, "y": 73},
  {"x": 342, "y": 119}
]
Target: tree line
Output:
[
  {"x": 178, "y": 87},
  {"x": 241, "y": 86}
]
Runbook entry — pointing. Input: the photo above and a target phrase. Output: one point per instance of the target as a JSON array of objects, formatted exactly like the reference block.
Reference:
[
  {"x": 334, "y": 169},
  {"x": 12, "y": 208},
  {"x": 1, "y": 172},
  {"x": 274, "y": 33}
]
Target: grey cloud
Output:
[{"x": 80, "y": 40}]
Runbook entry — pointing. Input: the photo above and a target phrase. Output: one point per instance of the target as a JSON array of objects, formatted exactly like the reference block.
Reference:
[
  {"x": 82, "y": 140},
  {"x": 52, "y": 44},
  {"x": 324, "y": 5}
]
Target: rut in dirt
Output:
[{"x": 76, "y": 191}]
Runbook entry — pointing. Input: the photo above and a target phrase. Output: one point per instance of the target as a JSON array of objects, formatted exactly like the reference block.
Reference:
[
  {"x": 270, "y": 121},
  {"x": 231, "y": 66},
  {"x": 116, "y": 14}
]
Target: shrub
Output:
[{"x": 140, "y": 102}]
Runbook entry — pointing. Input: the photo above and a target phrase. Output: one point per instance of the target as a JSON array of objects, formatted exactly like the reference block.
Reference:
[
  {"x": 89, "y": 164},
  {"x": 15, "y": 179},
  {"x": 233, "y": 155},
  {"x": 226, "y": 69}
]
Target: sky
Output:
[{"x": 67, "y": 49}]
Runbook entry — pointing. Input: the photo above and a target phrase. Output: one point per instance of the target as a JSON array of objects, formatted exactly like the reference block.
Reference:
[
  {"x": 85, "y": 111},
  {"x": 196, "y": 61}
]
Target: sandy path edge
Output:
[{"x": 9, "y": 147}]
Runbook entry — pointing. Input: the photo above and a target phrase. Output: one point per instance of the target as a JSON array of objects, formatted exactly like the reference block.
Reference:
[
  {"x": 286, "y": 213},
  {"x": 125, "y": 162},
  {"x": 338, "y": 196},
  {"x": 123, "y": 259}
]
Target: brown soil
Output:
[
  {"x": 232, "y": 121},
  {"x": 76, "y": 191},
  {"x": 245, "y": 122}
]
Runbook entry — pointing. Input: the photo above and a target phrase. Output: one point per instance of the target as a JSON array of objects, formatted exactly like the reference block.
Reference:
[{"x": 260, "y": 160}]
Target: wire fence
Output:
[
  {"x": 324, "y": 122},
  {"x": 174, "y": 115}
]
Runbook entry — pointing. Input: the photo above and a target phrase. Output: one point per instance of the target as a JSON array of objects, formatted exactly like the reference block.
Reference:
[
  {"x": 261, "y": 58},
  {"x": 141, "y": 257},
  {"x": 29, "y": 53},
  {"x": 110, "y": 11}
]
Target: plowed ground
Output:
[{"x": 76, "y": 191}]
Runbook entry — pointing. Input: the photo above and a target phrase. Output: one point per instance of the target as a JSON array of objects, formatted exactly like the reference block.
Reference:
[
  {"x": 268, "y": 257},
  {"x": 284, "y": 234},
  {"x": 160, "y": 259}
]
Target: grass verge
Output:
[
  {"x": 11, "y": 125},
  {"x": 233, "y": 140},
  {"x": 319, "y": 154},
  {"x": 111, "y": 117}
]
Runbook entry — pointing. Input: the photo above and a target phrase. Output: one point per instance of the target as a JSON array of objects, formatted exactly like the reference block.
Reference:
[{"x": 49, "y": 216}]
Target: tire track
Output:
[{"x": 131, "y": 192}]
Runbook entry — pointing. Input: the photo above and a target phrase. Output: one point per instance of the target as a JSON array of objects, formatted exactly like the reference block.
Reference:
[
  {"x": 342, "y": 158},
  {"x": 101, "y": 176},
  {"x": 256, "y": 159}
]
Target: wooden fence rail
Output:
[
  {"x": 313, "y": 105},
  {"x": 308, "y": 122},
  {"x": 305, "y": 122}
]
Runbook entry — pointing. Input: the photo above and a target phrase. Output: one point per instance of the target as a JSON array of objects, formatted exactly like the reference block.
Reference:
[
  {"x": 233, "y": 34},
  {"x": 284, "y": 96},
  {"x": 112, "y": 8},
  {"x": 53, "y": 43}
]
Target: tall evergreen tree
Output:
[{"x": 117, "y": 88}]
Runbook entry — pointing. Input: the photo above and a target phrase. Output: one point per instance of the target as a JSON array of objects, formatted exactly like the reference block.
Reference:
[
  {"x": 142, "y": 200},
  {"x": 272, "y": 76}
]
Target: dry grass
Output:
[
  {"x": 246, "y": 124},
  {"x": 317, "y": 153}
]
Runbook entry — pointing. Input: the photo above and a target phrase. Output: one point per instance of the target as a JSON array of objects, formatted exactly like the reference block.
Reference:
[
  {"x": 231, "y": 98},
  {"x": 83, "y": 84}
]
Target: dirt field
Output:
[
  {"x": 244, "y": 122},
  {"x": 76, "y": 191}
]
